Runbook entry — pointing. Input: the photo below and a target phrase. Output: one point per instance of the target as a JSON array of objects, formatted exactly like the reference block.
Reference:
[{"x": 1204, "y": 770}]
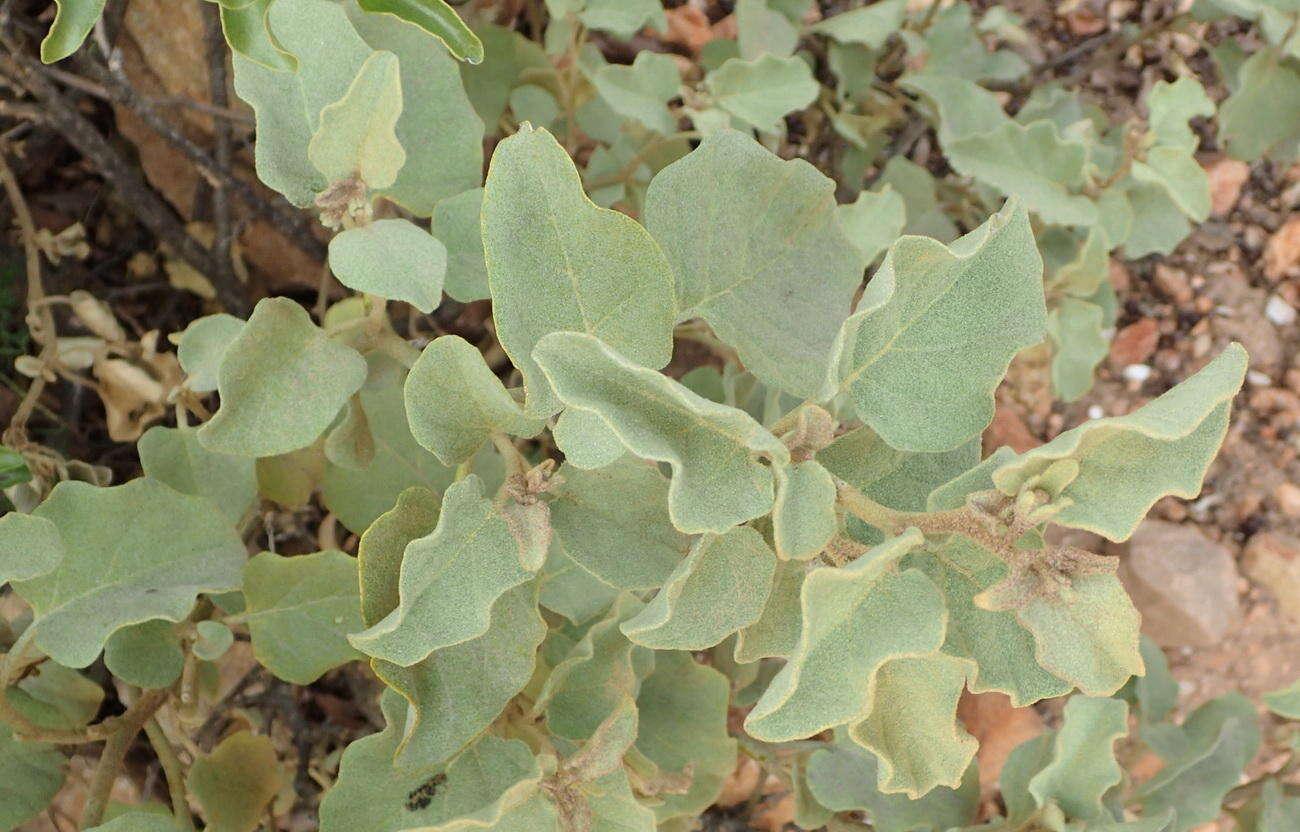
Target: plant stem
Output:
[
  {"x": 515, "y": 462},
  {"x": 172, "y": 771},
  {"x": 110, "y": 759}
]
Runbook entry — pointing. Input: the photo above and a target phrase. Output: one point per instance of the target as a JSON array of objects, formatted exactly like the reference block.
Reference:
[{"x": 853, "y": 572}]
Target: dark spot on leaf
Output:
[{"x": 421, "y": 796}]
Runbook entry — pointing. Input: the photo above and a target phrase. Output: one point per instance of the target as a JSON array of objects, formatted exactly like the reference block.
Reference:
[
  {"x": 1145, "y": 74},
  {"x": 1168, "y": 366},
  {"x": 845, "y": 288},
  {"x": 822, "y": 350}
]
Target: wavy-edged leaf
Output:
[
  {"x": 282, "y": 381},
  {"x": 30, "y": 546},
  {"x": 456, "y": 223},
  {"x": 31, "y": 774},
  {"x": 917, "y": 697},
  {"x": 557, "y": 262},
  {"x": 147, "y": 654},
  {"x": 870, "y": 25},
  {"x": 391, "y": 258},
  {"x": 623, "y": 18},
  {"x": 54, "y": 696},
  {"x": 585, "y": 440},
  {"x": 1082, "y": 765},
  {"x": 571, "y": 591},
  {"x": 775, "y": 633},
  {"x": 897, "y": 479},
  {"x": 449, "y": 580},
  {"x": 176, "y": 457},
  {"x": 719, "y": 588},
  {"x": 873, "y": 221},
  {"x": 202, "y": 346},
  {"x": 436, "y": 18},
  {"x": 939, "y": 318},
  {"x": 613, "y": 521},
  {"x": 1078, "y": 346},
  {"x": 248, "y": 36},
  {"x": 854, "y": 619},
  {"x": 166, "y": 547},
  {"x": 774, "y": 283},
  {"x": 356, "y": 136},
  {"x": 235, "y": 783},
  {"x": 1126, "y": 463},
  {"x": 683, "y": 725},
  {"x": 455, "y": 402},
  {"x": 641, "y": 90},
  {"x": 803, "y": 516},
  {"x": 717, "y": 481},
  {"x": 1285, "y": 701},
  {"x": 762, "y": 91},
  {"x": 1263, "y": 113},
  {"x": 300, "y": 612},
  {"x": 1172, "y": 105},
  {"x": 379, "y": 554}
]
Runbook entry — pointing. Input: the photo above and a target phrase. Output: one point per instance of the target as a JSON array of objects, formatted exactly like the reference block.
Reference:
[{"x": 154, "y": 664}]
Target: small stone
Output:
[
  {"x": 1283, "y": 249},
  {"x": 1226, "y": 176},
  {"x": 1173, "y": 284},
  {"x": 1135, "y": 343},
  {"x": 1279, "y": 311},
  {"x": 1287, "y": 497},
  {"x": 1183, "y": 583},
  {"x": 1007, "y": 428},
  {"x": 1272, "y": 560},
  {"x": 999, "y": 727},
  {"x": 1120, "y": 277}
]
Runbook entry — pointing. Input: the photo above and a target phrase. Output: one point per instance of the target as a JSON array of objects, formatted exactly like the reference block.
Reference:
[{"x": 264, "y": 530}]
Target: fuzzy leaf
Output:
[
  {"x": 719, "y": 588},
  {"x": 870, "y": 25},
  {"x": 30, "y": 546},
  {"x": 917, "y": 697},
  {"x": 166, "y": 548},
  {"x": 873, "y": 221},
  {"x": 1126, "y": 463},
  {"x": 300, "y": 612},
  {"x": 435, "y": 17},
  {"x": 456, "y": 223},
  {"x": 235, "y": 782},
  {"x": 393, "y": 259},
  {"x": 855, "y": 619},
  {"x": 717, "y": 482},
  {"x": 203, "y": 345},
  {"x": 623, "y": 18},
  {"x": 177, "y": 458},
  {"x": 357, "y": 134},
  {"x": 1285, "y": 701},
  {"x": 803, "y": 517},
  {"x": 571, "y": 591},
  {"x": 282, "y": 382},
  {"x": 762, "y": 91},
  {"x": 146, "y": 654},
  {"x": 31, "y": 774},
  {"x": 455, "y": 402},
  {"x": 1082, "y": 765},
  {"x": 556, "y": 262},
  {"x": 1172, "y": 105},
  {"x": 641, "y": 91},
  {"x": 585, "y": 440},
  {"x": 449, "y": 580},
  {"x": 1263, "y": 113},
  {"x": 776, "y": 631},
  {"x": 1078, "y": 346},
  {"x": 941, "y": 318},
  {"x": 614, "y": 522},
  {"x": 897, "y": 479},
  {"x": 776, "y": 283}
]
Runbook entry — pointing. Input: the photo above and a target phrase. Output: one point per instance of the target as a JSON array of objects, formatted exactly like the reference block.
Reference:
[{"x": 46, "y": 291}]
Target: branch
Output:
[{"x": 110, "y": 759}]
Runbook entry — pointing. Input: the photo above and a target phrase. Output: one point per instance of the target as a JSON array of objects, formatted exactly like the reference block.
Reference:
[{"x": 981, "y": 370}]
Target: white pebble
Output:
[
  {"x": 1095, "y": 411},
  {"x": 1137, "y": 372},
  {"x": 1279, "y": 311},
  {"x": 1258, "y": 379}
]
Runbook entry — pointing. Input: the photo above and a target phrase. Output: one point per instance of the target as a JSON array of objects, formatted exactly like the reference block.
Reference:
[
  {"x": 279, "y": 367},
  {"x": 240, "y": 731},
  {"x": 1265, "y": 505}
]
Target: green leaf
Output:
[
  {"x": 236, "y": 782},
  {"x": 941, "y": 318},
  {"x": 855, "y": 619},
  {"x": 917, "y": 187},
  {"x": 897, "y": 479},
  {"x": 585, "y": 440},
  {"x": 571, "y": 591},
  {"x": 557, "y": 262},
  {"x": 776, "y": 631},
  {"x": 439, "y": 129},
  {"x": 175, "y": 457},
  {"x": 139, "y": 821},
  {"x": 379, "y": 554},
  {"x": 1078, "y": 346},
  {"x": 762, "y": 30},
  {"x": 436, "y": 18},
  {"x": 843, "y": 778},
  {"x": 1181, "y": 176},
  {"x": 1171, "y": 106},
  {"x": 917, "y": 697},
  {"x": 762, "y": 91},
  {"x": 1157, "y": 224},
  {"x": 718, "y": 589},
  {"x": 282, "y": 382},
  {"x": 72, "y": 23},
  {"x": 456, "y": 692},
  {"x": 31, "y": 774},
  {"x": 30, "y": 546},
  {"x": 212, "y": 639},
  {"x": 288, "y": 104},
  {"x": 776, "y": 283},
  {"x": 488, "y": 84},
  {"x": 456, "y": 223},
  {"x": 614, "y": 522},
  {"x": 873, "y": 221},
  {"x": 300, "y": 612},
  {"x": 1285, "y": 701},
  {"x": 357, "y": 135},
  {"x": 455, "y": 402},
  {"x": 358, "y": 497},
  {"x": 683, "y": 724},
  {"x": 13, "y": 468},
  {"x": 449, "y": 580},
  {"x": 54, "y": 696},
  {"x": 623, "y": 18},
  {"x": 803, "y": 517},
  {"x": 952, "y": 45},
  {"x": 870, "y": 25},
  {"x": 147, "y": 654},
  {"x": 1082, "y": 765},
  {"x": 203, "y": 345},
  {"x": 1263, "y": 113},
  {"x": 1087, "y": 635},
  {"x": 993, "y": 639},
  {"x": 1272, "y": 811},
  {"x": 248, "y": 36},
  {"x": 641, "y": 91},
  {"x": 1126, "y": 463},
  {"x": 393, "y": 259},
  {"x": 166, "y": 547},
  {"x": 717, "y": 482}
]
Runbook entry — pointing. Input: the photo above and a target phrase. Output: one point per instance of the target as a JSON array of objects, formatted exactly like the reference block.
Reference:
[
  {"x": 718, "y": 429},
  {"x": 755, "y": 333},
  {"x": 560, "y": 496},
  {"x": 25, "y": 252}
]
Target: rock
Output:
[
  {"x": 1009, "y": 429},
  {"x": 1183, "y": 583},
  {"x": 1272, "y": 560},
  {"x": 1287, "y": 497},
  {"x": 1283, "y": 249},
  {"x": 1135, "y": 343},
  {"x": 1173, "y": 284},
  {"x": 999, "y": 727},
  {"x": 1226, "y": 178},
  {"x": 1120, "y": 277}
]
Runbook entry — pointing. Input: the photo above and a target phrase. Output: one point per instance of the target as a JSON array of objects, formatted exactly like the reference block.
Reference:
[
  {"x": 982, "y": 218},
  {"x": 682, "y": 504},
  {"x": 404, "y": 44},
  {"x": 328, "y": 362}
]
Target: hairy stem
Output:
[
  {"x": 110, "y": 759},
  {"x": 172, "y": 771}
]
